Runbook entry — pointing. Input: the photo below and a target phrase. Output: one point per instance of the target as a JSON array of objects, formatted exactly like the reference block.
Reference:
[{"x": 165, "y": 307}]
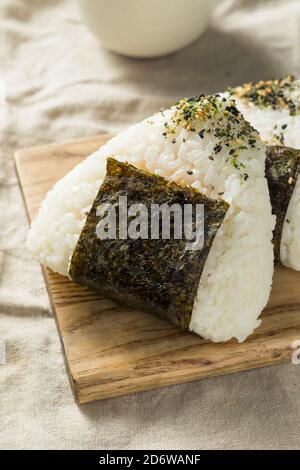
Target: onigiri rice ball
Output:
[
  {"x": 273, "y": 108},
  {"x": 203, "y": 142}
]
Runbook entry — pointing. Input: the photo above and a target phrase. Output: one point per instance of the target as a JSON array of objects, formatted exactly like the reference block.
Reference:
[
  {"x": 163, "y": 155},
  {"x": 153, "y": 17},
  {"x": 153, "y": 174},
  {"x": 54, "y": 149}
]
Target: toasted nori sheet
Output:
[
  {"x": 159, "y": 276},
  {"x": 282, "y": 168}
]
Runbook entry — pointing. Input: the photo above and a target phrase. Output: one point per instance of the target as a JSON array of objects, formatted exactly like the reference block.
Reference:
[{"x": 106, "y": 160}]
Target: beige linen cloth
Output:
[{"x": 61, "y": 84}]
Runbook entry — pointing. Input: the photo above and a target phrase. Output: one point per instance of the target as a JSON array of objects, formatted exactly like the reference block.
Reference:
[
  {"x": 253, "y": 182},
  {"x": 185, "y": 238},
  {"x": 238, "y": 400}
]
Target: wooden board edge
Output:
[
  {"x": 17, "y": 158},
  {"x": 87, "y": 395},
  {"x": 17, "y": 155}
]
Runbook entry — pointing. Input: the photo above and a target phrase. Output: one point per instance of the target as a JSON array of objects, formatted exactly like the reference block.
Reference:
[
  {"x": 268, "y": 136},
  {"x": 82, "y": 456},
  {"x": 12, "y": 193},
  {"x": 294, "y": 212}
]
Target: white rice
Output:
[
  {"x": 269, "y": 124},
  {"x": 236, "y": 282}
]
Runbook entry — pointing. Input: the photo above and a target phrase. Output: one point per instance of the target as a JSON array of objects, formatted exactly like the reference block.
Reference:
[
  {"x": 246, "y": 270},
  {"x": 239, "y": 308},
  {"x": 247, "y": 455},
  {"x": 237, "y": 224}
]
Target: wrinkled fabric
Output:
[{"x": 61, "y": 84}]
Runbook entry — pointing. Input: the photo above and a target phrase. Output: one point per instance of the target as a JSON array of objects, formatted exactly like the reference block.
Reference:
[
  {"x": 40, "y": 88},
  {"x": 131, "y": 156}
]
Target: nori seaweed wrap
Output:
[
  {"x": 282, "y": 168},
  {"x": 156, "y": 275}
]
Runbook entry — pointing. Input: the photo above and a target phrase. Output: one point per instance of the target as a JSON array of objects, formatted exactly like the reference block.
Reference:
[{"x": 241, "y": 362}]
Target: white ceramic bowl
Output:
[{"x": 146, "y": 28}]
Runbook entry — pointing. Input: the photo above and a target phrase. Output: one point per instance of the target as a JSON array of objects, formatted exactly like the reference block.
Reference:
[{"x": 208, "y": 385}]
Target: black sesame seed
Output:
[
  {"x": 233, "y": 110},
  {"x": 218, "y": 148}
]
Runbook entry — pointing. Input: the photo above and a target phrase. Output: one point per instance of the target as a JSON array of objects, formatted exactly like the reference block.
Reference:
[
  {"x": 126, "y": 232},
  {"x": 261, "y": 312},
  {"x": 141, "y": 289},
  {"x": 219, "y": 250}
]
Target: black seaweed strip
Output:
[{"x": 158, "y": 276}]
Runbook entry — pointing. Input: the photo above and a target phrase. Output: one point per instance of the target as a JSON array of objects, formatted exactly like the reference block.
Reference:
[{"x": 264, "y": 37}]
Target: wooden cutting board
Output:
[{"x": 112, "y": 351}]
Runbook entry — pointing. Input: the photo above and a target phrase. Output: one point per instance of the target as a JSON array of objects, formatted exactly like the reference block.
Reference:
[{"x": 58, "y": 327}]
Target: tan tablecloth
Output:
[{"x": 62, "y": 85}]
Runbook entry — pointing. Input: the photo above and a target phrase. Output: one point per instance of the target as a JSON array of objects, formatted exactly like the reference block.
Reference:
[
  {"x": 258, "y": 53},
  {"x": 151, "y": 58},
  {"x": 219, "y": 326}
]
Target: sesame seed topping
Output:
[
  {"x": 218, "y": 117},
  {"x": 275, "y": 94}
]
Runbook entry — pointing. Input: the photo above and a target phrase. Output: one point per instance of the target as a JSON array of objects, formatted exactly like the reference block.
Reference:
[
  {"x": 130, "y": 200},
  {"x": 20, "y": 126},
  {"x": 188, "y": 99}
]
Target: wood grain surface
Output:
[{"x": 112, "y": 351}]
